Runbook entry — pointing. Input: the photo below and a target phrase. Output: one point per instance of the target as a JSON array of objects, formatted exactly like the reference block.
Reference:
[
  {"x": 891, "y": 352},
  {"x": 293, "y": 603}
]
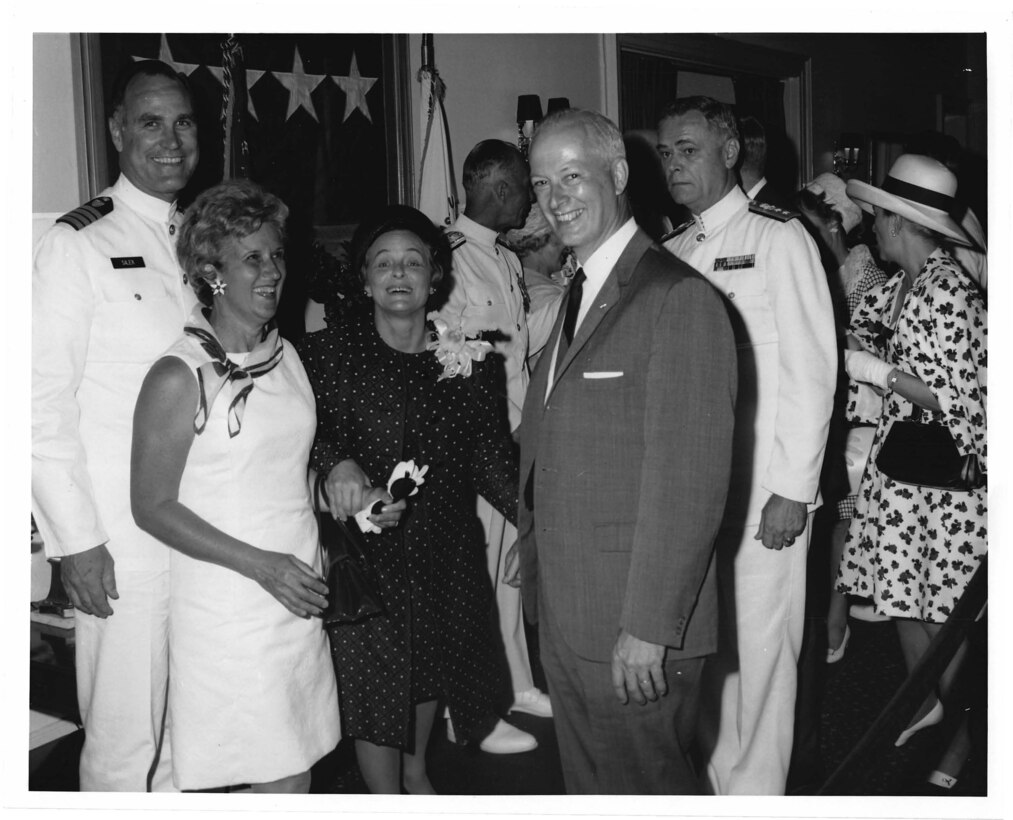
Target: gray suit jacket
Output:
[{"x": 625, "y": 476}]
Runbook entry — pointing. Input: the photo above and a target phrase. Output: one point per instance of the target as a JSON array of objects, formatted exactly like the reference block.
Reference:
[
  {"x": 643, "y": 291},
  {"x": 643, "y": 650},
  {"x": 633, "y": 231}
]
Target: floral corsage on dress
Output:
[{"x": 454, "y": 350}]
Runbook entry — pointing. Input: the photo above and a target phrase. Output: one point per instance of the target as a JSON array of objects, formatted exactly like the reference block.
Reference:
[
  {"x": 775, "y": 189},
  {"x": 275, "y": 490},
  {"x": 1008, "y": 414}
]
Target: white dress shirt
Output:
[{"x": 596, "y": 270}]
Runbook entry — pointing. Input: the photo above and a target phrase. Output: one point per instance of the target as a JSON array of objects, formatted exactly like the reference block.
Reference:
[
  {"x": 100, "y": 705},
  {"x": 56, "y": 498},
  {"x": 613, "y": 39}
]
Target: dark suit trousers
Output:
[{"x": 609, "y": 748}]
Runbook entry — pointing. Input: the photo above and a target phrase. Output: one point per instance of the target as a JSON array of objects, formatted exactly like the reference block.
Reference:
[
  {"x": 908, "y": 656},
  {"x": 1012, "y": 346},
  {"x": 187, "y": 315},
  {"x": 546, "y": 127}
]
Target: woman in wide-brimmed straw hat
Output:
[{"x": 912, "y": 549}]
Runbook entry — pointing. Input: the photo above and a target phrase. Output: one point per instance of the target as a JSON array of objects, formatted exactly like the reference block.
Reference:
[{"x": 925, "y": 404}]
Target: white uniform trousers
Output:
[
  {"x": 122, "y": 678},
  {"x": 749, "y": 685},
  {"x": 500, "y": 535}
]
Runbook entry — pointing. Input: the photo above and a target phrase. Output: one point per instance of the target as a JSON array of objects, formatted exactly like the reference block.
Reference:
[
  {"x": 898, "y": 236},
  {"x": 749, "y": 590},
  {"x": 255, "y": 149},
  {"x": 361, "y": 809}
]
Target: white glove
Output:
[{"x": 862, "y": 366}]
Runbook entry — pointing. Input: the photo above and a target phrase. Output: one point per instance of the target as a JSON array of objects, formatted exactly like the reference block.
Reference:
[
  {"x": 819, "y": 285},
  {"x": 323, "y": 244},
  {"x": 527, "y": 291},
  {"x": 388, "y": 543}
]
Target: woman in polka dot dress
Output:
[{"x": 380, "y": 401}]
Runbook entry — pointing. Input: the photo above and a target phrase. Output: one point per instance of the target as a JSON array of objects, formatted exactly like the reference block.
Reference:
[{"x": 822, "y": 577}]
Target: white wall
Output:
[
  {"x": 55, "y": 131},
  {"x": 485, "y": 73}
]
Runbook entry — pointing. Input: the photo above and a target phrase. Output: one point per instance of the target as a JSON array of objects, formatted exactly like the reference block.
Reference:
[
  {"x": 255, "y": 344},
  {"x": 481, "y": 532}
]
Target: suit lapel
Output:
[{"x": 607, "y": 298}]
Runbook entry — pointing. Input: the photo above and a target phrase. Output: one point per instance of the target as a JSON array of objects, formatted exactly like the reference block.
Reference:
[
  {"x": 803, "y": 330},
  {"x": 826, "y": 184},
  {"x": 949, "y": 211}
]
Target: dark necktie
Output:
[{"x": 573, "y": 298}]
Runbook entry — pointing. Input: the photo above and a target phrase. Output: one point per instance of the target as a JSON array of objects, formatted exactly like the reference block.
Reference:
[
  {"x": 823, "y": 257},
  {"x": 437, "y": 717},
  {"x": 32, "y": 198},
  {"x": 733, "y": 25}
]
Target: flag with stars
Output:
[{"x": 313, "y": 124}]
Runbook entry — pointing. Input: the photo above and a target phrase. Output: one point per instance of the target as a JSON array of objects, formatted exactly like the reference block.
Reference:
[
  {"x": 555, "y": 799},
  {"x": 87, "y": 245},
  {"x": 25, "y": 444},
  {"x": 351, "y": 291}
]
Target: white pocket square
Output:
[{"x": 604, "y": 374}]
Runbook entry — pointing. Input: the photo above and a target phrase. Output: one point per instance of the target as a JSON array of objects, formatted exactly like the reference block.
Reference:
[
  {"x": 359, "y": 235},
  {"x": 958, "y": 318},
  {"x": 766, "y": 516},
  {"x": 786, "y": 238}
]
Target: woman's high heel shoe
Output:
[{"x": 934, "y": 716}]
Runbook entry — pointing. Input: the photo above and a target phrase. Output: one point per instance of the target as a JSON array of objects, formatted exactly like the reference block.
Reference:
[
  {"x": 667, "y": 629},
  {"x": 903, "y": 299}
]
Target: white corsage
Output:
[
  {"x": 454, "y": 350},
  {"x": 403, "y": 483}
]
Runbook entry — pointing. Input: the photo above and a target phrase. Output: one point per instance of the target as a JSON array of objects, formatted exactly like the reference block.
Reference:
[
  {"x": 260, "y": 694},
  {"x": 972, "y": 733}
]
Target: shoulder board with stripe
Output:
[
  {"x": 766, "y": 209},
  {"x": 90, "y": 212},
  {"x": 675, "y": 231},
  {"x": 456, "y": 239}
]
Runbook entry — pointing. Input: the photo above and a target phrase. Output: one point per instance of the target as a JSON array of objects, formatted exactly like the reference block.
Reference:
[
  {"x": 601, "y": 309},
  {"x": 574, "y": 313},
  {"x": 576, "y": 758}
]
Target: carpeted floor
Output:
[{"x": 838, "y": 704}]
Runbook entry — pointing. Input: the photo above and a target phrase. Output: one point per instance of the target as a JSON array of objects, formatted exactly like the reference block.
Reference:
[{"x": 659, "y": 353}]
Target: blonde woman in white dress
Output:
[{"x": 222, "y": 433}]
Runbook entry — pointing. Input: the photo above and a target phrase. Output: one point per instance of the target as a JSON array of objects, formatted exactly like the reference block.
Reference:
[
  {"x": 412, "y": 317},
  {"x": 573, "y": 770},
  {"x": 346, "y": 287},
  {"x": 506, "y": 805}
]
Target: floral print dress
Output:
[{"x": 912, "y": 550}]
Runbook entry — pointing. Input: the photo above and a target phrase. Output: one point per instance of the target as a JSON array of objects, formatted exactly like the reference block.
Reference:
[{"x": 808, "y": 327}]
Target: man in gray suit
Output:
[{"x": 625, "y": 456}]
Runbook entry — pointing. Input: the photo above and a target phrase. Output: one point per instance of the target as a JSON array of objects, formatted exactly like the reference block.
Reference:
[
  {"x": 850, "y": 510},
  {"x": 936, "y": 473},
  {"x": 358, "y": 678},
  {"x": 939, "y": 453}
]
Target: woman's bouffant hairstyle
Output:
[
  {"x": 401, "y": 218},
  {"x": 235, "y": 208}
]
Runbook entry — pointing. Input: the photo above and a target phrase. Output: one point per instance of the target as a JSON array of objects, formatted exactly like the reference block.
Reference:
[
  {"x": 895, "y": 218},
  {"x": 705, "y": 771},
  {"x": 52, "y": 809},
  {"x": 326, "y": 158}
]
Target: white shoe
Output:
[
  {"x": 944, "y": 781},
  {"x": 534, "y": 702},
  {"x": 505, "y": 739},
  {"x": 934, "y": 716}
]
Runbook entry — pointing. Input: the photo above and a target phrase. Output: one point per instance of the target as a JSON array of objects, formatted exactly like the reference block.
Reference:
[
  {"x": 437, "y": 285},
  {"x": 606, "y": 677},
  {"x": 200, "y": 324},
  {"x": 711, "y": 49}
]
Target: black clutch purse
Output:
[
  {"x": 350, "y": 596},
  {"x": 926, "y": 455}
]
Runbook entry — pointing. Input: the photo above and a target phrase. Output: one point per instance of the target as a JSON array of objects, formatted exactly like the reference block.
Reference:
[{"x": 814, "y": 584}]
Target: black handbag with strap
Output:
[
  {"x": 350, "y": 596},
  {"x": 926, "y": 455}
]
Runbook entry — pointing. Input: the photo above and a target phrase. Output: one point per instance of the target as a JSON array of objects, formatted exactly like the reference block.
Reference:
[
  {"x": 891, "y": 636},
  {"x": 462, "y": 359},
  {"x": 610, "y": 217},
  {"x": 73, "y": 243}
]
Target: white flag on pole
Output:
[{"x": 437, "y": 193}]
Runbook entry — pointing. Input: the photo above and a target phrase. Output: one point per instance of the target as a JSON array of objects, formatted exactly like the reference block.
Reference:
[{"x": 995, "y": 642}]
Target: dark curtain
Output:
[
  {"x": 763, "y": 98},
  {"x": 647, "y": 85}
]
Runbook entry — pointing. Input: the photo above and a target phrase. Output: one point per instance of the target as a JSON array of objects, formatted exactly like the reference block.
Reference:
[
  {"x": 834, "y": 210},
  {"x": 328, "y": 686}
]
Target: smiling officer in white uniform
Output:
[{"x": 107, "y": 299}]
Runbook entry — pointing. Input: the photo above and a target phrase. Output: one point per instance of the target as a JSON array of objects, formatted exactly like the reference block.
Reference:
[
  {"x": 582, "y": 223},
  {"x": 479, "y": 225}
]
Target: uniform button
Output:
[
  {"x": 489, "y": 302},
  {"x": 186, "y": 280},
  {"x": 172, "y": 230},
  {"x": 731, "y": 295},
  {"x": 518, "y": 327},
  {"x": 700, "y": 237},
  {"x": 137, "y": 296}
]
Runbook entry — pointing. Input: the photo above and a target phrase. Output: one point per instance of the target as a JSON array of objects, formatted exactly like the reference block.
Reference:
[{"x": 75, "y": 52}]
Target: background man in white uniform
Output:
[
  {"x": 488, "y": 294},
  {"x": 107, "y": 299},
  {"x": 769, "y": 270}
]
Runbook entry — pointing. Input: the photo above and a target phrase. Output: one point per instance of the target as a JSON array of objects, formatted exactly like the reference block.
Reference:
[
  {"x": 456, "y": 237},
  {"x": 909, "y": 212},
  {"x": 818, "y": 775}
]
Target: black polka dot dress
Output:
[{"x": 437, "y": 639}]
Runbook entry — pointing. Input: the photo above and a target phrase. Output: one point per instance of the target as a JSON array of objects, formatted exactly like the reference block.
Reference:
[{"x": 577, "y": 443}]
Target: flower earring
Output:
[{"x": 217, "y": 284}]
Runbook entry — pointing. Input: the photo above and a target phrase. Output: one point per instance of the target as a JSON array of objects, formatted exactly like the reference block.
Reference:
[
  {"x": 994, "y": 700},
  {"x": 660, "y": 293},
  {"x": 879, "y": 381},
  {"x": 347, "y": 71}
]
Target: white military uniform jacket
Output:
[
  {"x": 769, "y": 271},
  {"x": 487, "y": 295},
  {"x": 107, "y": 300}
]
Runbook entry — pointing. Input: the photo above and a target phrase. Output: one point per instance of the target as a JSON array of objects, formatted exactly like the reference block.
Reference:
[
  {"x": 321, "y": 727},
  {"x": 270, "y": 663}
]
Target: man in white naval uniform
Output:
[
  {"x": 767, "y": 267},
  {"x": 488, "y": 294},
  {"x": 107, "y": 299}
]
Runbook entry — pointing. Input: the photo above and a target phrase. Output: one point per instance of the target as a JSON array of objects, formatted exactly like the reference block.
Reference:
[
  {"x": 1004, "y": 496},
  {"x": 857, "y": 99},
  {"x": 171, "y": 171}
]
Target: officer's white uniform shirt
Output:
[
  {"x": 486, "y": 295},
  {"x": 770, "y": 274},
  {"x": 107, "y": 301}
]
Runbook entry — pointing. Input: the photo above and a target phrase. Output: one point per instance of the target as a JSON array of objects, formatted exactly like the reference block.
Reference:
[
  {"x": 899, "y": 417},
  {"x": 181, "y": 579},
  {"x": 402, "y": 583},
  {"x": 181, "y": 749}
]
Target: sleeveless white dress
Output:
[{"x": 252, "y": 693}]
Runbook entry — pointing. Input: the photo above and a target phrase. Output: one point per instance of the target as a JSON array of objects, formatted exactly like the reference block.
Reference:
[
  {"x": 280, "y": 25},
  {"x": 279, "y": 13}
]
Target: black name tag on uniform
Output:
[
  {"x": 747, "y": 260},
  {"x": 120, "y": 262}
]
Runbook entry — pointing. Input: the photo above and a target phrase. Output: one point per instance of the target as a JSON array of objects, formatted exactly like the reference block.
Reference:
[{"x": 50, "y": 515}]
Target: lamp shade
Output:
[
  {"x": 557, "y": 104},
  {"x": 529, "y": 108}
]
